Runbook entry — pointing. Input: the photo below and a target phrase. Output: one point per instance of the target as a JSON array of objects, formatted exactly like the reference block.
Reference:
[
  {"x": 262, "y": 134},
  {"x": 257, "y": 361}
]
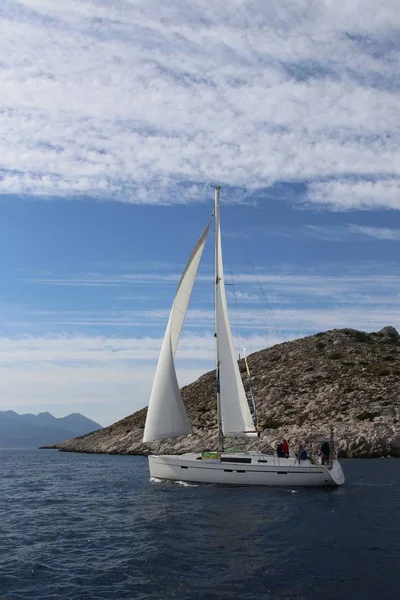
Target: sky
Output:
[{"x": 115, "y": 118}]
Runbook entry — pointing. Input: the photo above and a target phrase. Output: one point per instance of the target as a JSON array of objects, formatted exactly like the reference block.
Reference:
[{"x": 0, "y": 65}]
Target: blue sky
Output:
[{"x": 114, "y": 124}]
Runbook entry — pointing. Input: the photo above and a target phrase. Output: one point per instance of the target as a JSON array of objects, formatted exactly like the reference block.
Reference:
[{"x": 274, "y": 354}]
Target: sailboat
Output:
[{"x": 167, "y": 417}]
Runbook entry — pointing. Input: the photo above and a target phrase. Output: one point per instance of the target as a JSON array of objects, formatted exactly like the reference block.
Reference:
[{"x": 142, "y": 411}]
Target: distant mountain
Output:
[{"x": 28, "y": 430}]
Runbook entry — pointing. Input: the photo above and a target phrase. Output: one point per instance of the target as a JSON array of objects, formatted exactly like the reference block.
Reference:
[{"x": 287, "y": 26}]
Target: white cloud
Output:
[
  {"x": 272, "y": 296},
  {"x": 338, "y": 233},
  {"x": 334, "y": 307},
  {"x": 124, "y": 100},
  {"x": 95, "y": 280},
  {"x": 107, "y": 378},
  {"x": 276, "y": 280},
  {"x": 83, "y": 351},
  {"x": 239, "y": 296},
  {"x": 359, "y": 195},
  {"x": 379, "y": 233}
]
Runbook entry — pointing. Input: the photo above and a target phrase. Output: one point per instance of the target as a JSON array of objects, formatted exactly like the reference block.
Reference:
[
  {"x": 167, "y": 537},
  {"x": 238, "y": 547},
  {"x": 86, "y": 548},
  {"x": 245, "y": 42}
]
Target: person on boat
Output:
[
  {"x": 302, "y": 452},
  {"x": 325, "y": 453},
  {"x": 303, "y": 455},
  {"x": 279, "y": 450},
  {"x": 285, "y": 448}
]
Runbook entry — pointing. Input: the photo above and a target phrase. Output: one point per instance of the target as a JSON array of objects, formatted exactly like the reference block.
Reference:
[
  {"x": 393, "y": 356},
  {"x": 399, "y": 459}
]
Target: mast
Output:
[{"x": 217, "y": 281}]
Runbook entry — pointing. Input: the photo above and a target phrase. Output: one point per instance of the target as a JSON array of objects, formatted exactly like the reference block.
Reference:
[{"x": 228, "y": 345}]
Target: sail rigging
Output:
[
  {"x": 166, "y": 414},
  {"x": 253, "y": 402},
  {"x": 233, "y": 409}
]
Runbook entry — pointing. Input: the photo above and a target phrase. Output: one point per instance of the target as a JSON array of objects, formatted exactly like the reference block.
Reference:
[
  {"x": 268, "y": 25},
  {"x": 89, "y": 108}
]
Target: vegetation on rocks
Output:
[{"x": 343, "y": 377}]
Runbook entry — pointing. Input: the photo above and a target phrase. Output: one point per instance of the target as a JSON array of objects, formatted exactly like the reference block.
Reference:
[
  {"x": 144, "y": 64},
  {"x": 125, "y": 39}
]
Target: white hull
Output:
[{"x": 245, "y": 468}]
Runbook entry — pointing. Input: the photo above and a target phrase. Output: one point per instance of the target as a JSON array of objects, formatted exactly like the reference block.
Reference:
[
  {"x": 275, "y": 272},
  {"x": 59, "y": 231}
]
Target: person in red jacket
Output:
[{"x": 285, "y": 448}]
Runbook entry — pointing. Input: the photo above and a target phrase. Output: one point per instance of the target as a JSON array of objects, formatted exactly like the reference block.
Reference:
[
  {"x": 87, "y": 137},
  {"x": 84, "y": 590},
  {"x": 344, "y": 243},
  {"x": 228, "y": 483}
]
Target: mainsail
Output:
[
  {"x": 235, "y": 416},
  {"x": 166, "y": 414}
]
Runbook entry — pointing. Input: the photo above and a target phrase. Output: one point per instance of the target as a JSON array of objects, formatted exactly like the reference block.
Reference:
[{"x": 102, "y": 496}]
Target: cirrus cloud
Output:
[{"x": 126, "y": 100}]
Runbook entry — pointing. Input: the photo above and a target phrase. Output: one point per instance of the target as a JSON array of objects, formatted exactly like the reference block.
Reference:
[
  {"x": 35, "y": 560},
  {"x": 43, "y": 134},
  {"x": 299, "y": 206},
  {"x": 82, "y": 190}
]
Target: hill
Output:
[
  {"x": 28, "y": 430},
  {"x": 343, "y": 377}
]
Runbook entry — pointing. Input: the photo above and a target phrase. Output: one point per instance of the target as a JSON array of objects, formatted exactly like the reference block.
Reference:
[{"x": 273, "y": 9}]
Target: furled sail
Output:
[
  {"x": 166, "y": 414},
  {"x": 236, "y": 419}
]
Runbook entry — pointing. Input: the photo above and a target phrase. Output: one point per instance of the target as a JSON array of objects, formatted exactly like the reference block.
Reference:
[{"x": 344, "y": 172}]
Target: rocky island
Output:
[{"x": 343, "y": 377}]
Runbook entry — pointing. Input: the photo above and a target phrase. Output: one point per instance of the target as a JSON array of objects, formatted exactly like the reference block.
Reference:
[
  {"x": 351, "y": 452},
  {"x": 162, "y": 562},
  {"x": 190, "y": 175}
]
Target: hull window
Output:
[{"x": 232, "y": 459}]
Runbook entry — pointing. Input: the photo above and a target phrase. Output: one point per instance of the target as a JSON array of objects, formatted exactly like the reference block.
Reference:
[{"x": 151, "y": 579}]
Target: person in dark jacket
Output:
[
  {"x": 325, "y": 453},
  {"x": 279, "y": 450}
]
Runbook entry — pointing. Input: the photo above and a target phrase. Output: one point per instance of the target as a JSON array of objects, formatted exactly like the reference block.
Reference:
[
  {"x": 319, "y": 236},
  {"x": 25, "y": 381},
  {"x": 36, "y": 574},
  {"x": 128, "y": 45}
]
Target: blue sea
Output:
[{"x": 83, "y": 527}]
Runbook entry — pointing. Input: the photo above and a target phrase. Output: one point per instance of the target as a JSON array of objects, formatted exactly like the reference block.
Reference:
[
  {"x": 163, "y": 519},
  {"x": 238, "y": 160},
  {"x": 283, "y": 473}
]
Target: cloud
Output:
[
  {"x": 379, "y": 233},
  {"x": 301, "y": 281},
  {"x": 271, "y": 296},
  {"x": 239, "y": 296},
  {"x": 109, "y": 377},
  {"x": 301, "y": 305},
  {"x": 358, "y": 195},
  {"x": 83, "y": 351},
  {"x": 114, "y": 375},
  {"x": 338, "y": 233},
  {"x": 126, "y": 100},
  {"x": 96, "y": 279}
]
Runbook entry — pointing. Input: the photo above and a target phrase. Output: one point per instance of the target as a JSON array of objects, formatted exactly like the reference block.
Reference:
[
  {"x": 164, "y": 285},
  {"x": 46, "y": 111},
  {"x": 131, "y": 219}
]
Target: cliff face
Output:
[{"x": 343, "y": 377}]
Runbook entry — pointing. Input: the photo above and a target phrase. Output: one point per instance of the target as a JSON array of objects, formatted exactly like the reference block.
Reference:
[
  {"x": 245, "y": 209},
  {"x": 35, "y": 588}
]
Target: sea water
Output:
[{"x": 83, "y": 527}]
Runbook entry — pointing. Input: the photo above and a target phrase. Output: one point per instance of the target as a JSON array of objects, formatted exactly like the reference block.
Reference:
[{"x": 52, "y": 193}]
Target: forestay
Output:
[{"x": 166, "y": 414}]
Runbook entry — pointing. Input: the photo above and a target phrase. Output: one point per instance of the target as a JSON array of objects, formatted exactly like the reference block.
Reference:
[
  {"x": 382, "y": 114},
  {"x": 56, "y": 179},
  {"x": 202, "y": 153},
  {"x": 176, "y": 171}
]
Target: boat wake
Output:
[
  {"x": 187, "y": 484},
  {"x": 183, "y": 483},
  {"x": 375, "y": 484}
]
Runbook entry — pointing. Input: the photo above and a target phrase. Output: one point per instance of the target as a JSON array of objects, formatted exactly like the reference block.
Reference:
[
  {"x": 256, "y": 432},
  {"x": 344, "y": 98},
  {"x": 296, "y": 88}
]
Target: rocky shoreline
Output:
[{"x": 346, "y": 378}]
